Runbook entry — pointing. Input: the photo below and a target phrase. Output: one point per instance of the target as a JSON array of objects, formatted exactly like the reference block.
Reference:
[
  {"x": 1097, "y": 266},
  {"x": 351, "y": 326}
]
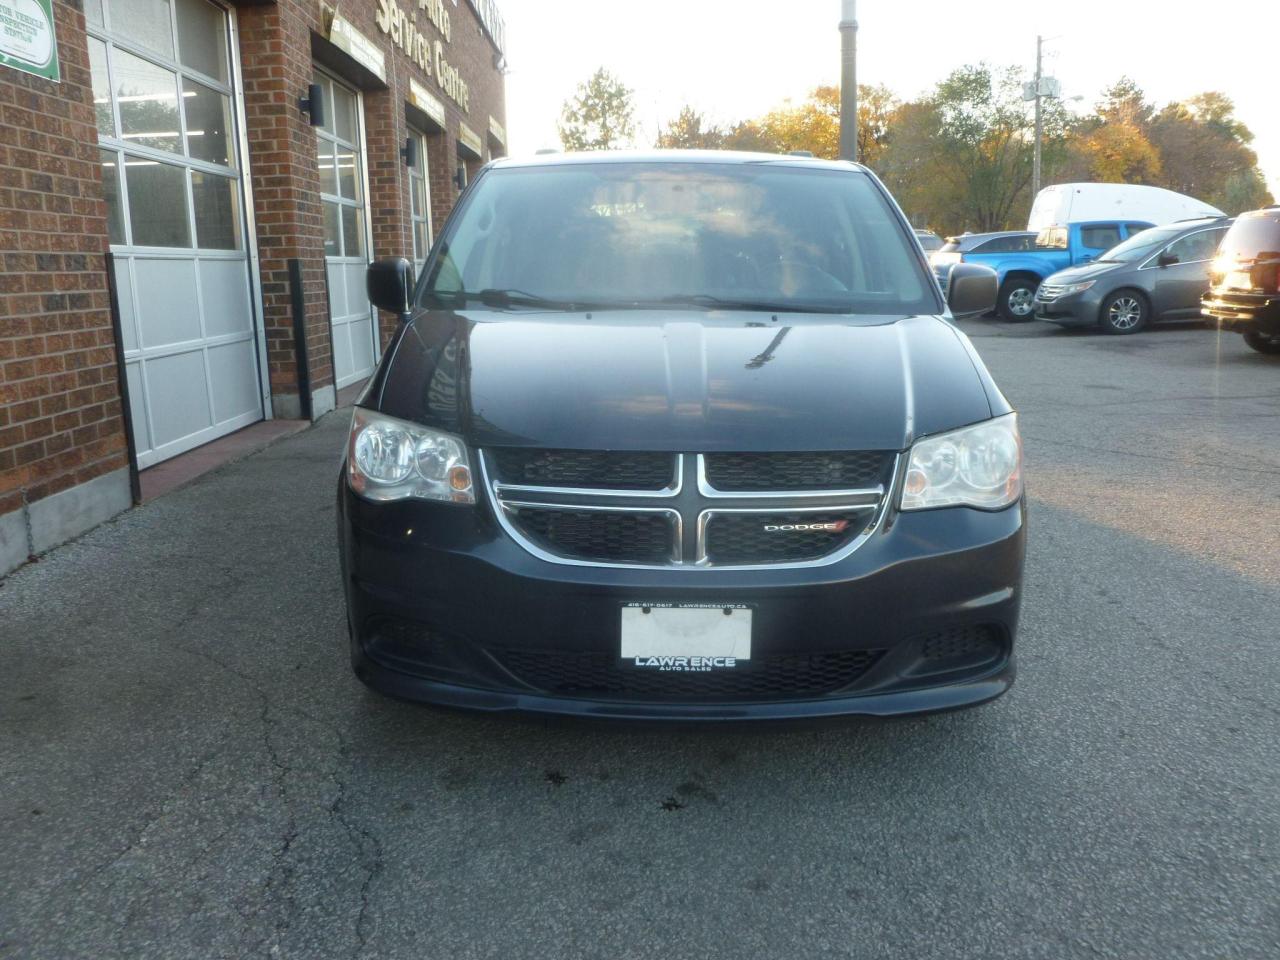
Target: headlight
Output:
[
  {"x": 978, "y": 466},
  {"x": 1069, "y": 288},
  {"x": 390, "y": 459}
]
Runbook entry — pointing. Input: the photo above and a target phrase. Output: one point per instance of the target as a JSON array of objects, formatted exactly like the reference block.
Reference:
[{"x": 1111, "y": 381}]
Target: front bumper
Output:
[
  {"x": 441, "y": 603},
  {"x": 1243, "y": 311},
  {"x": 1073, "y": 310}
]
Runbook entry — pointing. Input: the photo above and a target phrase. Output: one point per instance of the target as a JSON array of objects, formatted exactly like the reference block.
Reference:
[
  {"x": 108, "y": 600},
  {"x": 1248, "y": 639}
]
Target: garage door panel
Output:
[
  {"x": 168, "y": 305},
  {"x": 361, "y": 331},
  {"x": 224, "y": 287},
  {"x": 357, "y": 302},
  {"x": 137, "y": 406},
  {"x": 342, "y": 361},
  {"x": 124, "y": 296},
  {"x": 180, "y": 396},
  {"x": 337, "y": 291},
  {"x": 235, "y": 380}
]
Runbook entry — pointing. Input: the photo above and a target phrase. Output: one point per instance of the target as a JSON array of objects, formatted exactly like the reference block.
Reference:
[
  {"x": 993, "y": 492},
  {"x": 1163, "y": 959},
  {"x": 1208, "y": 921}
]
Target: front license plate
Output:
[{"x": 685, "y": 638}]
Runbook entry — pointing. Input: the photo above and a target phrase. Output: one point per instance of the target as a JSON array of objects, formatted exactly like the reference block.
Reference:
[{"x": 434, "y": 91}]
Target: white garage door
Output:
[
  {"x": 164, "y": 96},
  {"x": 346, "y": 225}
]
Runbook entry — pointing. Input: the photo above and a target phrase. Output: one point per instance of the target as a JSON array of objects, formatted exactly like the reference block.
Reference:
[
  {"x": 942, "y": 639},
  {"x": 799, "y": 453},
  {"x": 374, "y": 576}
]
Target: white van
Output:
[{"x": 1077, "y": 202}]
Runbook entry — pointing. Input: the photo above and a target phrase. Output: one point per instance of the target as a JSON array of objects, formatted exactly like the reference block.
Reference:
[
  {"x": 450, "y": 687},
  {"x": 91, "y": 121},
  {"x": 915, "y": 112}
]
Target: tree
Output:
[
  {"x": 876, "y": 106},
  {"x": 1203, "y": 151},
  {"x": 599, "y": 116},
  {"x": 1125, "y": 102},
  {"x": 985, "y": 133},
  {"x": 1119, "y": 152},
  {"x": 814, "y": 125},
  {"x": 689, "y": 131}
]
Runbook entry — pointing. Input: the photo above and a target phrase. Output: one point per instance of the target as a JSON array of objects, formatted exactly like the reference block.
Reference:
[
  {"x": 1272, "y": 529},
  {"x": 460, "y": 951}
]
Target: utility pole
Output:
[
  {"x": 849, "y": 80},
  {"x": 1035, "y": 161}
]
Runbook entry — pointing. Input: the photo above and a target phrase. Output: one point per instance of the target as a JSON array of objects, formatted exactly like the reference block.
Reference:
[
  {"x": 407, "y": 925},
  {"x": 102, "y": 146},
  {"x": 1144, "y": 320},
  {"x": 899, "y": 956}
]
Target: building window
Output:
[
  {"x": 341, "y": 179},
  {"x": 162, "y": 99},
  {"x": 420, "y": 203}
]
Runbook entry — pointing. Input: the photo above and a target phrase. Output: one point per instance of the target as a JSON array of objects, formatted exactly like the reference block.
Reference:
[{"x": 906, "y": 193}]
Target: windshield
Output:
[
  {"x": 620, "y": 234},
  {"x": 1140, "y": 245}
]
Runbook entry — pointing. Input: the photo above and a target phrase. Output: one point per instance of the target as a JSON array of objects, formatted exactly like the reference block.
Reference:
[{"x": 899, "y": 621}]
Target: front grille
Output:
[
  {"x": 796, "y": 471},
  {"x": 602, "y": 536},
  {"x": 747, "y": 538},
  {"x": 591, "y": 674},
  {"x": 620, "y": 470},
  {"x": 687, "y": 509}
]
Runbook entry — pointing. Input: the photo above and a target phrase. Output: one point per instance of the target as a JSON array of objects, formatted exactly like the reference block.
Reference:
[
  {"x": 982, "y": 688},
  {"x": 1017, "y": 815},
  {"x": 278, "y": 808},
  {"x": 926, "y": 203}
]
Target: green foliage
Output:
[
  {"x": 599, "y": 116},
  {"x": 688, "y": 131}
]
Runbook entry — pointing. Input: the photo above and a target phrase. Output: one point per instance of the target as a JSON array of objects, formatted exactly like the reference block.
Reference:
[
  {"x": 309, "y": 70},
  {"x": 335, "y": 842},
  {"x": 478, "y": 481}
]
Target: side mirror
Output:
[
  {"x": 1168, "y": 259},
  {"x": 971, "y": 290},
  {"x": 389, "y": 283}
]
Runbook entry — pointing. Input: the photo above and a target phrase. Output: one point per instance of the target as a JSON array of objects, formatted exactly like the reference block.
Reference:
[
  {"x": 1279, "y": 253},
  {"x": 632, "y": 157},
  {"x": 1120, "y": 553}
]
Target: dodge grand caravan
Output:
[{"x": 682, "y": 436}]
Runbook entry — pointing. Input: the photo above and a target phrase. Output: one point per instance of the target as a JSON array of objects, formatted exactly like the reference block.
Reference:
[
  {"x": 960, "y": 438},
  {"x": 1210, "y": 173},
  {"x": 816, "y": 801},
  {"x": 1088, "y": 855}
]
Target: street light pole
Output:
[
  {"x": 848, "y": 80},
  {"x": 1035, "y": 156}
]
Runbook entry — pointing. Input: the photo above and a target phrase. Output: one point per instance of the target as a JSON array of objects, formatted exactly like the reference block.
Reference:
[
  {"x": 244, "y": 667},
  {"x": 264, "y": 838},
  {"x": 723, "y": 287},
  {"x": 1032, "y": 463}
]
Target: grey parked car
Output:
[{"x": 1158, "y": 274}]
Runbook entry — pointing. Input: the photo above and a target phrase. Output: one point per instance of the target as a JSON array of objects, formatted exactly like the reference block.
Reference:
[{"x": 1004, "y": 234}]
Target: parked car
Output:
[
  {"x": 983, "y": 248},
  {"x": 1080, "y": 202},
  {"x": 1158, "y": 274},
  {"x": 1022, "y": 260},
  {"x": 1244, "y": 292},
  {"x": 681, "y": 436},
  {"x": 929, "y": 240}
]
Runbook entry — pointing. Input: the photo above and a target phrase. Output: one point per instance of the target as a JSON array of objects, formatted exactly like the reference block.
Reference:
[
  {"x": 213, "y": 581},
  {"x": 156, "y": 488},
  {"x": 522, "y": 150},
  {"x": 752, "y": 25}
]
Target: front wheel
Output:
[
  {"x": 1263, "y": 342},
  {"x": 1124, "y": 312},
  {"x": 1017, "y": 299}
]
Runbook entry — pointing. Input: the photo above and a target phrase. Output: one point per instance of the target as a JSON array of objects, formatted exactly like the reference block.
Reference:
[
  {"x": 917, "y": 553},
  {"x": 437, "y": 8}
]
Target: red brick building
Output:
[{"x": 186, "y": 213}]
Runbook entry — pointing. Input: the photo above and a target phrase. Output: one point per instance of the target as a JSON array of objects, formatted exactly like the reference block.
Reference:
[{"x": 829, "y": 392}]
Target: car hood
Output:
[
  {"x": 684, "y": 381},
  {"x": 1087, "y": 271}
]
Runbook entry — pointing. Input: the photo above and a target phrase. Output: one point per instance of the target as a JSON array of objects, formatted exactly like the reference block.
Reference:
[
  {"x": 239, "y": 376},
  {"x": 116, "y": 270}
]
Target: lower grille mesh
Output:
[
  {"x": 768, "y": 678},
  {"x": 600, "y": 535}
]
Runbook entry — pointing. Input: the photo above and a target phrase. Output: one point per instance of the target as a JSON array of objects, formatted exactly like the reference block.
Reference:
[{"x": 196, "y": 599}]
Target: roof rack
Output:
[{"x": 800, "y": 153}]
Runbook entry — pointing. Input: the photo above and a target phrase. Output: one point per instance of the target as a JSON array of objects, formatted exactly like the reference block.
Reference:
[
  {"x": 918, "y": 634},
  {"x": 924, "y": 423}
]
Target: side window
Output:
[
  {"x": 1133, "y": 228},
  {"x": 1196, "y": 246},
  {"x": 1101, "y": 237}
]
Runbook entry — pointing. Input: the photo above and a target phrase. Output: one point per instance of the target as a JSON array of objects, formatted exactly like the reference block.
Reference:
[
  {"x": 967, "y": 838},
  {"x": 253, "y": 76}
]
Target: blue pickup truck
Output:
[{"x": 1022, "y": 259}]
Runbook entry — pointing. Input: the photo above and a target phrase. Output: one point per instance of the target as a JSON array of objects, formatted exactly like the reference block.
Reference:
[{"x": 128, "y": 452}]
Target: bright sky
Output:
[{"x": 739, "y": 58}]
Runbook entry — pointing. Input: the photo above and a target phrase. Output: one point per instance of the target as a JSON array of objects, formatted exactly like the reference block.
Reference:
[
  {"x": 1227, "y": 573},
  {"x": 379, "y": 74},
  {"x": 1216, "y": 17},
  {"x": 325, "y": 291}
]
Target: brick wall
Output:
[
  {"x": 61, "y": 421},
  {"x": 275, "y": 54}
]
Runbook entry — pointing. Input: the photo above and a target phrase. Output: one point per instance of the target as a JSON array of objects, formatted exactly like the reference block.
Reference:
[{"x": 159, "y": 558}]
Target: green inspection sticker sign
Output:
[{"x": 27, "y": 40}]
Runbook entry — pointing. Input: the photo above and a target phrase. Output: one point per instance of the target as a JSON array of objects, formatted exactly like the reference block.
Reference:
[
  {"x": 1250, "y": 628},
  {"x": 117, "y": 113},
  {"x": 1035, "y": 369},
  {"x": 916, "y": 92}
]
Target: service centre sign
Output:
[{"x": 27, "y": 40}]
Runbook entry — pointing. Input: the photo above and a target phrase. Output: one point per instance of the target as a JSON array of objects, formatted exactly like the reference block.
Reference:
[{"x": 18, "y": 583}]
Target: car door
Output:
[
  {"x": 1094, "y": 239},
  {"x": 1182, "y": 273}
]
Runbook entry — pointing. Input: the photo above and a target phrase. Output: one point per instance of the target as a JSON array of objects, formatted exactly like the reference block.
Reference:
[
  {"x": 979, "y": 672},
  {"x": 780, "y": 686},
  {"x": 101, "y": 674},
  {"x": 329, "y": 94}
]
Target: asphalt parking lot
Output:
[{"x": 190, "y": 770}]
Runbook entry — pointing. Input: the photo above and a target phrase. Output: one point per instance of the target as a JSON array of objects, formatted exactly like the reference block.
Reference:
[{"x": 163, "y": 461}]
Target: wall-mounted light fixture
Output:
[
  {"x": 409, "y": 152},
  {"x": 313, "y": 104}
]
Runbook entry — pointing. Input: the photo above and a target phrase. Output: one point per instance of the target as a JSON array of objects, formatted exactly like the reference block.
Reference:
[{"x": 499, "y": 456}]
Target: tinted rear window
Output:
[
  {"x": 1251, "y": 237},
  {"x": 1006, "y": 244}
]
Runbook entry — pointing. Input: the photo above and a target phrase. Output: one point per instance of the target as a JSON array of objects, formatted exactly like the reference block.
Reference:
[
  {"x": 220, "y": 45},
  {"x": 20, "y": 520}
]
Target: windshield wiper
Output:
[
  {"x": 495, "y": 297},
  {"x": 727, "y": 303}
]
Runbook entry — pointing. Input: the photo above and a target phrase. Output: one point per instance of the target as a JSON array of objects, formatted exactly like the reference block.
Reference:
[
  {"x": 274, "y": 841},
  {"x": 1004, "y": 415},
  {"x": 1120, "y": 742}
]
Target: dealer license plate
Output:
[{"x": 685, "y": 637}]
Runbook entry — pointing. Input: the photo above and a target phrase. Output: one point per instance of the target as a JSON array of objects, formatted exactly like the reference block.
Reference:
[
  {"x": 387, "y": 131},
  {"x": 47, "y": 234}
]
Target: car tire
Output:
[
  {"x": 1124, "y": 312},
  {"x": 1263, "y": 343},
  {"x": 1016, "y": 302}
]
